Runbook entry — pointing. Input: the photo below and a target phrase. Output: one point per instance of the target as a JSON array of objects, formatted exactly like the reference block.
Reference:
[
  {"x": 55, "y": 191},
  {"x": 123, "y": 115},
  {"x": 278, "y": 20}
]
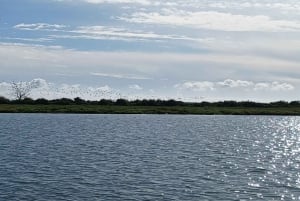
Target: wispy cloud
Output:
[
  {"x": 96, "y": 33},
  {"x": 253, "y": 4},
  {"x": 27, "y": 39},
  {"x": 284, "y": 6},
  {"x": 121, "y": 76},
  {"x": 213, "y": 20},
  {"x": 143, "y": 2},
  {"x": 39, "y": 26},
  {"x": 114, "y": 33}
]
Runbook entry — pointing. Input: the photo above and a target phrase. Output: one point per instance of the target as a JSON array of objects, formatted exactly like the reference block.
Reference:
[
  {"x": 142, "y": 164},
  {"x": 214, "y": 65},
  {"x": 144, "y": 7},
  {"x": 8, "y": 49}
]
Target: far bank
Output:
[{"x": 114, "y": 109}]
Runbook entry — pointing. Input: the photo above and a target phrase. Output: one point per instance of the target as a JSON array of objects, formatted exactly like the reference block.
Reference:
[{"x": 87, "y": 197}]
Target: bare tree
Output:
[{"x": 21, "y": 90}]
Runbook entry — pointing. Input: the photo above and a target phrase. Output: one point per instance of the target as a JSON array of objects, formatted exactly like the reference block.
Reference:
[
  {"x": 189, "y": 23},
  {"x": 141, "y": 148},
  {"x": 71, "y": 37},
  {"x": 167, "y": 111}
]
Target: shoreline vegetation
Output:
[{"x": 123, "y": 106}]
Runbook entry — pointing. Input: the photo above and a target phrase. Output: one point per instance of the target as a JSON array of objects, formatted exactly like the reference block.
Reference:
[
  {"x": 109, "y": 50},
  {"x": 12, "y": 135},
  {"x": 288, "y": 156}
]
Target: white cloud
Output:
[
  {"x": 43, "y": 89},
  {"x": 196, "y": 86},
  {"x": 213, "y": 20},
  {"x": 39, "y": 26},
  {"x": 105, "y": 88},
  {"x": 40, "y": 88},
  {"x": 135, "y": 87},
  {"x": 5, "y": 89},
  {"x": 274, "y": 86},
  {"x": 239, "y": 84},
  {"x": 235, "y": 83},
  {"x": 39, "y": 83}
]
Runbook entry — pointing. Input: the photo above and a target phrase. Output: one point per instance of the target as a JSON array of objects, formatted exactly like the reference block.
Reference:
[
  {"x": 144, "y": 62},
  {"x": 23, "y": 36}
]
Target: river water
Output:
[{"x": 149, "y": 157}]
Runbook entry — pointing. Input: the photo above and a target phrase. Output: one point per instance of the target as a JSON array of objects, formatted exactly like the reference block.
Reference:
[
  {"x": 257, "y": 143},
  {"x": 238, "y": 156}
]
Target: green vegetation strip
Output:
[{"x": 114, "y": 109}]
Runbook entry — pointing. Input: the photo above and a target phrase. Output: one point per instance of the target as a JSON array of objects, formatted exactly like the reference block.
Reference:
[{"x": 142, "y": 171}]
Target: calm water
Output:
[{"x": 149, "y": 157}]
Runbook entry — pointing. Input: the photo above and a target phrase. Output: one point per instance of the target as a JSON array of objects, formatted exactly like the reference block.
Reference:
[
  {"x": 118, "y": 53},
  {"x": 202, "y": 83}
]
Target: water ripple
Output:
[{"x": 149, "y": 157}]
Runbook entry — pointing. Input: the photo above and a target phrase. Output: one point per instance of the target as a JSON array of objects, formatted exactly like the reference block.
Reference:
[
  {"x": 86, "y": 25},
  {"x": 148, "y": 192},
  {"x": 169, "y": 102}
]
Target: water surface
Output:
[{"x": 149, "y": 157}]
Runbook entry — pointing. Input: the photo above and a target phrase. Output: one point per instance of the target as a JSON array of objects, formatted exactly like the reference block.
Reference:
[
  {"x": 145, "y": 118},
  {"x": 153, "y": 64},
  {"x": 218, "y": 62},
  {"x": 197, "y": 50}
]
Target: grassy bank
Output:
[{"x": 113, "y": 109}]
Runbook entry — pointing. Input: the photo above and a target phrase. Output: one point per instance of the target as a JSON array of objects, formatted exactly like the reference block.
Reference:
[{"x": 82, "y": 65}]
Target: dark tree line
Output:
[{"x": 146, "y": 102}]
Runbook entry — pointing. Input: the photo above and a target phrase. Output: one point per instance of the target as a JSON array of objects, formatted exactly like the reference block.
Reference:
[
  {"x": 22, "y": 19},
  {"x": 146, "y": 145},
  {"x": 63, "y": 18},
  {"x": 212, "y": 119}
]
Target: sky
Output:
[{"x": 190, "y": 50}]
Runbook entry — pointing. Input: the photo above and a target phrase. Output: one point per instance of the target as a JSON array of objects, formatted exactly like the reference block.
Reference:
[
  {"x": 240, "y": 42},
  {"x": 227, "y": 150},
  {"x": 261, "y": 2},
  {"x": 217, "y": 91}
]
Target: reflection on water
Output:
[
  {"x": 278, "y": 163},
  {"x": 149, "y": 157}
]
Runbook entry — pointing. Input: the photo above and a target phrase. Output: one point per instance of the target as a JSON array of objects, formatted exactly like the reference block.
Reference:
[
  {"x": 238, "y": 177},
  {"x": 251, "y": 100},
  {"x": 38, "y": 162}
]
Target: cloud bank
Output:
[
  {"x": 44, "y": 89},
  {"x": 238, "y": 84}
]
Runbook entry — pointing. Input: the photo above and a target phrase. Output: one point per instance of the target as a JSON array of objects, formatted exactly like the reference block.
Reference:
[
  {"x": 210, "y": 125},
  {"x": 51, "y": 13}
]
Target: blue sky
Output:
[{"x": 192, "y": 50}]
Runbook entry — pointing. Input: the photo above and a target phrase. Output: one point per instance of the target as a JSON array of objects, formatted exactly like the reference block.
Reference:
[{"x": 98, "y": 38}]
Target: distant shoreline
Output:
[{"x": 114, "y": 109}]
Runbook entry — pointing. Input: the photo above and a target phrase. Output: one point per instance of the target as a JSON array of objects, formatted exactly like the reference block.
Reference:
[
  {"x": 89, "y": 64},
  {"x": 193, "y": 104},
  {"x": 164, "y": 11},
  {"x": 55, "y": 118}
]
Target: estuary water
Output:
[{"x": 149, "y": 157}]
